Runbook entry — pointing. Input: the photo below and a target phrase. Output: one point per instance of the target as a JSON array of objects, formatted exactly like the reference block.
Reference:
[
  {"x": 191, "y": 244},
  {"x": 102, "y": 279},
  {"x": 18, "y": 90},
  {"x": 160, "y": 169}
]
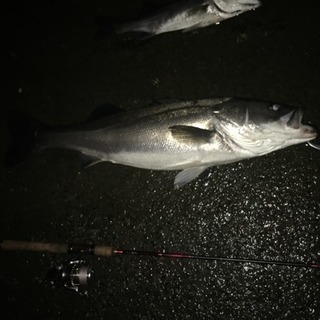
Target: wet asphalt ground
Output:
[{"x": 263, "y": 208}]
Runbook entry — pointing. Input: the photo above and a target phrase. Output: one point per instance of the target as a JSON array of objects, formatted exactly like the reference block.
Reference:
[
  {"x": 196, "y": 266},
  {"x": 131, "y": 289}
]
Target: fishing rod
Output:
[
  {"x": 76, "y": 274},
  {"x": 108, "y": 251}
]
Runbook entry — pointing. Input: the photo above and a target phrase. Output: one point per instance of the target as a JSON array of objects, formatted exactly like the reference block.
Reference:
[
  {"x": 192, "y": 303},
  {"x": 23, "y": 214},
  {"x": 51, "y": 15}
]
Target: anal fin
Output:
[
  {"x": 187, "y": 175},
  {"x": 88, "y": 161}
]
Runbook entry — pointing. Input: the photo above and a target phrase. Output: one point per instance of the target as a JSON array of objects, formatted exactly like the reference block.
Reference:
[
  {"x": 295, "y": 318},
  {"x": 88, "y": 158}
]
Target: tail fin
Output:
[
  {"x": 24, "y": 131},
  {"x": 105, "y": 27}
]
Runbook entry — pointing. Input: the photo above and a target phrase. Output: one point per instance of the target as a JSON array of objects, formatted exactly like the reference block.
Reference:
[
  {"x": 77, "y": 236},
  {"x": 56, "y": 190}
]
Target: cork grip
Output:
[{"x": 104, "y": 251}]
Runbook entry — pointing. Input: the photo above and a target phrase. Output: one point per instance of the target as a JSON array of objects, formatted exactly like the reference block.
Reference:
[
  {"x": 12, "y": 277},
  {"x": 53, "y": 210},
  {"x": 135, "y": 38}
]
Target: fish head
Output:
[
  {"x": 236, "y": 6},
  {"x": 262, "y": 127},
  {"x": 280, "y": 118}
]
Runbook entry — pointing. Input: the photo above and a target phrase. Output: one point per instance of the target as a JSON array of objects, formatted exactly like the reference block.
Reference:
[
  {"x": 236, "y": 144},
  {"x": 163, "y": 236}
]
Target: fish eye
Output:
[{"x": 274, "y": 107}]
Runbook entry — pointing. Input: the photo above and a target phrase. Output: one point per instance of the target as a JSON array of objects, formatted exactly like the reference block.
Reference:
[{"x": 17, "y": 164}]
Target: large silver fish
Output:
[
  {"x": 189, "y": 136},
  {"x": 189, "y": 15}
]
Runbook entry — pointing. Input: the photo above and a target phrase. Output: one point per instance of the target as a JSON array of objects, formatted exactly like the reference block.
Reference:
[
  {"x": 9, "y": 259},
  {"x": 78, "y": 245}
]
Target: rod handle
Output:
[
  {"x": 34, "y": 246},
  {"x": 97, "y": 250}
]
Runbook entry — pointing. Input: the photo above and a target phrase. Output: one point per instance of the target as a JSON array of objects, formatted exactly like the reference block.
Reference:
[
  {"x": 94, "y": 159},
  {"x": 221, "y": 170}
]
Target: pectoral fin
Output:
[
  {"x": 187, "y": 175},
  {"x": 188, "y": 134}
]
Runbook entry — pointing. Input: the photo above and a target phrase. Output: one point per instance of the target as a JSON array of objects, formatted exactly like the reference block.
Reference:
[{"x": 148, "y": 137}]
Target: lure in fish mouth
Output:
[
  {"x": 190, "y": 136},
  {"x": 188, "y": 15}
]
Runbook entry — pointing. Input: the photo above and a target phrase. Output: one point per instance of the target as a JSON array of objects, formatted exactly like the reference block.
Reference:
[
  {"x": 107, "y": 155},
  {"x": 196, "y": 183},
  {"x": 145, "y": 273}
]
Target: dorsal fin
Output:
[
  {"x": 157, "y": 102},
  {"x": 104, "y": 110}
]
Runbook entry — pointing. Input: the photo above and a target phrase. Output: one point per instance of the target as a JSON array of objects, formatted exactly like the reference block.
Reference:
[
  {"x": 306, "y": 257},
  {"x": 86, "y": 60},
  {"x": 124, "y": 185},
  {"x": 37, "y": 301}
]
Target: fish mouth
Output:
[
  {"x": 293, "y": 120},
  {"x": 315, "y": 141},
  {"x": 227, "y": 8},
  {"x": 251, "y": 4}
]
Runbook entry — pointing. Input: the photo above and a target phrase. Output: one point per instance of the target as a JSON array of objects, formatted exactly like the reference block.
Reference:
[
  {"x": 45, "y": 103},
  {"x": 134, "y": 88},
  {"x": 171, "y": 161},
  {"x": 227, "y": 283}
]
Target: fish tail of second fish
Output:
[
  {"x": 24, "y": 131},
  {"x": 107, "y": 28},
  {"x": 137, "y": 37},
  {"x": 133, "y": 32},
  {"x": 104, "y": 27}
]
